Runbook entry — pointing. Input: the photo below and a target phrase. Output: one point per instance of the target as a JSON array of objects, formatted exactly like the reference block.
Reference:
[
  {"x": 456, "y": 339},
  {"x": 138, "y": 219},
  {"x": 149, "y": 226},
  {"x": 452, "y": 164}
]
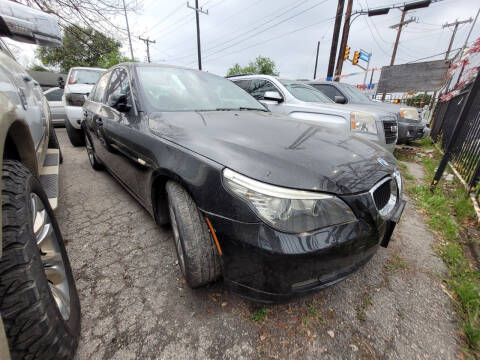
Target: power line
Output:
[
  {"x": 181, "y": 6},
  {"x": 268, "y": 28},
  {"x": 298, "y": 3},
  {"x": 275, "y": 37}
]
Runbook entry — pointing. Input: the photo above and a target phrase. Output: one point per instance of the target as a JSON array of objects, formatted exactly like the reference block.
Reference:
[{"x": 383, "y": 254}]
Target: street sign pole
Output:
[{"x": 368, "y": 67}]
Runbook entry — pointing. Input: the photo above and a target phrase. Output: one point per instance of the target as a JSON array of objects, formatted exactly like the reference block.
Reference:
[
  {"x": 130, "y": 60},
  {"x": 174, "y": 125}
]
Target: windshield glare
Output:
[
  {"x": 304, "y": 92},
  {"x": 83, "y": 76},
  {"x": 171, "y": 89},
  {"x": 355, "y": 95}
]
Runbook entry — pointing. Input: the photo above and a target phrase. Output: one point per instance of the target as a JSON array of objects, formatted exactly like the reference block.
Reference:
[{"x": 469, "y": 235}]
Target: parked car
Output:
[
  {"x": 277, "y": 206},
  {"x": 300, "y": 101},
  {"x": 79, "y": 84},
  {"x": 410, "y": 126},
  {"x": 57, "y": 109},
  {"x": 39, "y": 305}
]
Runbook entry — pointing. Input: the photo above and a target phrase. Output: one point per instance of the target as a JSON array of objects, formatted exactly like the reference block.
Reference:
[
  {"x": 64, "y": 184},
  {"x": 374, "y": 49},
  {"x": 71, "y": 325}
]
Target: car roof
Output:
[
  {"x": 144, "y": 64},
  {"x": 86, "y": 68}
]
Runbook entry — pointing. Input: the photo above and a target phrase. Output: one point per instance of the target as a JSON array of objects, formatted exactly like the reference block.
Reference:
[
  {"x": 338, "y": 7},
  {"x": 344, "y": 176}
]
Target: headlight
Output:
[
  {"x": 409, "y": 113},
  {"x": 363, "y": 122},
  {"x": 287, "y": 210}
]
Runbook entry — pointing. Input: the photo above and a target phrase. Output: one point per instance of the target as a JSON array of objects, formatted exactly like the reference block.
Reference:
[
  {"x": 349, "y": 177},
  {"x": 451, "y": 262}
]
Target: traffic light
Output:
[
  {"x": 347, "y": 53},
  {"x": 356, "y": 55}
]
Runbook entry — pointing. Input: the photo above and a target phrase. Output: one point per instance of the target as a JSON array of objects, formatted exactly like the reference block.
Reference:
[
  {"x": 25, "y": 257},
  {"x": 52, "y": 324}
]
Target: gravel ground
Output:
[{"x": 135, "y": 304}]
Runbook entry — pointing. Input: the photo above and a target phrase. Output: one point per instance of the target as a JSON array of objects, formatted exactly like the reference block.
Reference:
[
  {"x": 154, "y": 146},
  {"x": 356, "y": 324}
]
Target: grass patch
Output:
[
  {"x": 259, "y": 315},
  {"x": 395, "y": 263},
  {"x": 447, "y": 206}
]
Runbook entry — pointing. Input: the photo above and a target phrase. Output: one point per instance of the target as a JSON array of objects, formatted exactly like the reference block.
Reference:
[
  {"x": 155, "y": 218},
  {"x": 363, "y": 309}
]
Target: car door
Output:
[
  {"x": 329, "y": 90},
  {"x": 121, "y": 126},
  {"x": 54, "y": 98},
  {"x": 94, "y": 112}
]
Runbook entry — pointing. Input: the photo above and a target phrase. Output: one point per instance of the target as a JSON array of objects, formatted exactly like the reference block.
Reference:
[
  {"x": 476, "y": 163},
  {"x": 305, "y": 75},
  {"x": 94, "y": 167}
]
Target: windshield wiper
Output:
[{"x": 250, "y": 108}]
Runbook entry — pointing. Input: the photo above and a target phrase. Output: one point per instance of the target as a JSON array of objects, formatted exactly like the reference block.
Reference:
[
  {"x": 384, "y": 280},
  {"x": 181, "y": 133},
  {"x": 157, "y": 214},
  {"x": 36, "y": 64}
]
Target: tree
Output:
[
  {"x": 261, "y": 65},
  {"x": 82, "y": 47}
]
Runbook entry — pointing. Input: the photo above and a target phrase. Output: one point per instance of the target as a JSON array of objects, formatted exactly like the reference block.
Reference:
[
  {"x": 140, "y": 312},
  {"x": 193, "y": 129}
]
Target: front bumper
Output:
[
  {"x": 410, "y": 132},
  {"x": 266, "y": 265}
]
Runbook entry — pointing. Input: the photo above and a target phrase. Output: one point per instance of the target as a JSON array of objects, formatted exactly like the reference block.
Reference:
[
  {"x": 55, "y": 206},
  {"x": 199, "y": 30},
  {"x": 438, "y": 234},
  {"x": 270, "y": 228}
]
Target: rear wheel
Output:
[
  {"x": 96, "y": 165},
  {"x": 197, "y": 255},
  {"x": 38, "y": 298},
  {"x": 75, "y": 135}
]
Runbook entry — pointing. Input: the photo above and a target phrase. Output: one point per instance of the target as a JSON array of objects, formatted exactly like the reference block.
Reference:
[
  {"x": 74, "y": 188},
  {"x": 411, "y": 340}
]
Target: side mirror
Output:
[
  {"x": 120, "y": 102},
  {"x": 273, "y": 96},
  {"x": 22, "y": 23},
  {"x": 340, "y": 99},
  {"x": 61, "y": 83}
]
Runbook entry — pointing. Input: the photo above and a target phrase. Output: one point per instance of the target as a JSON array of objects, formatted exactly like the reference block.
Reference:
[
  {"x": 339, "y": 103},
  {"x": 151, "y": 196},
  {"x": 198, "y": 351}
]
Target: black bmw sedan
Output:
[{"x": 276, "y": 206}]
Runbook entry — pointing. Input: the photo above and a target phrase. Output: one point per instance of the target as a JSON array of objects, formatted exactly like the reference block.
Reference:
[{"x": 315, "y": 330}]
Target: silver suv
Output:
[{"x": 302, "y": 102}]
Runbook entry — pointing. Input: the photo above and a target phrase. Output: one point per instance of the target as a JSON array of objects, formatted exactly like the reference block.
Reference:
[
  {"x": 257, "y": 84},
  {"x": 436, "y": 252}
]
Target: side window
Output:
[
  {"x": 244, "y": 84},
  {"x": 118, "y": 86},
  {"x": 100, "y": 88},
  {"x": 55, "y": 95},
  {"x": 259, "y": 87},
  {"x": 329, "y": 90}
]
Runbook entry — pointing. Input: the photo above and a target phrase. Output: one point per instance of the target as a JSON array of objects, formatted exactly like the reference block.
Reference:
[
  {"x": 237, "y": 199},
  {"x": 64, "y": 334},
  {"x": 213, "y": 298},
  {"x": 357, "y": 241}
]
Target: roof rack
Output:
[{"x": 230, "y": 76}]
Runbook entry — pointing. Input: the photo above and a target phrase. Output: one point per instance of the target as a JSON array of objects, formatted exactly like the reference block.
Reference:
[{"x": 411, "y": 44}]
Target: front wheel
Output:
[
  {"x": 38, "y": 299},
  {"x": 92, "y": 157},
  {"x": 197, "y": 255},
  {"x": 75, "y": 135}
]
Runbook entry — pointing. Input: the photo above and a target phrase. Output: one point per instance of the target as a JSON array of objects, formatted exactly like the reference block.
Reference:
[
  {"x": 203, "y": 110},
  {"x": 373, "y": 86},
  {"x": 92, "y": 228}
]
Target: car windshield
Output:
[
  {"x": 172, "y": 89},
  {"x": 354, "y": 95},
  {"x": 84, "y": 76},
  {"x": 304, "y": 92}
]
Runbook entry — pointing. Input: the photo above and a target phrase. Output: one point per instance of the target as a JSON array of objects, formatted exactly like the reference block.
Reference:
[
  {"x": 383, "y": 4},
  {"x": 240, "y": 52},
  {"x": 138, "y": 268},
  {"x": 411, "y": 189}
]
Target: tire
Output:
[
  {"x": 36, "y": 327},
  {"x": 75, "y": 135},
  {"x": 197, "y": 254},
  {"x": 92, "y": 157},
  {"x": 53, "y": 142}
]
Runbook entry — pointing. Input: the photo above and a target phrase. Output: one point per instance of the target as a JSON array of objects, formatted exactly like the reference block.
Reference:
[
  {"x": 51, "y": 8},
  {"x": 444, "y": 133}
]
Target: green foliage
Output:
[
  {"x": 259, "y": 315},
  {"x": 261, "y": 65},
  {"x": 82, "y": 47}
]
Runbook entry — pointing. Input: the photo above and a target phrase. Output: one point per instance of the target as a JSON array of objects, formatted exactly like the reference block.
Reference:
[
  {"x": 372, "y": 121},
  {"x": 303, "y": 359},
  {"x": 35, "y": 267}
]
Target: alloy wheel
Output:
[
  {"x": 51, "y": 256},
  {"x": 89, "y": 150}
]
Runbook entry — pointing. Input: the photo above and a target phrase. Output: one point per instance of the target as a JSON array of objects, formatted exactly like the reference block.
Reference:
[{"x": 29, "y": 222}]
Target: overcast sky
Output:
[{"x": 287, "y": 31}]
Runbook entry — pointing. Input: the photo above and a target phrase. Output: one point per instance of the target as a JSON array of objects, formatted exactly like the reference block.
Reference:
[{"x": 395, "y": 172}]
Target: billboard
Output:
[{"x": 423, "y": 76}]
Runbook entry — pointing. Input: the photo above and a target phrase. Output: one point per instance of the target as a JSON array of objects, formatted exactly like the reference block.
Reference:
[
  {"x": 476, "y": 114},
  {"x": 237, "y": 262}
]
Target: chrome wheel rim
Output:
[
  {"x": 89, "y": 150},
  {"x": 176, "y": 237},
  {"x": 51, "y": 256}
]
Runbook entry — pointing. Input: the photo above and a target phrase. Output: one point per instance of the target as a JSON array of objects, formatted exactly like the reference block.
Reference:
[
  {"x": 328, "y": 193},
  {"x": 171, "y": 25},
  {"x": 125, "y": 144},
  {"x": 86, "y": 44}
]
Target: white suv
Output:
[
  {"x": 79, "y": 84},
  {"x": 303, "y": 102}
]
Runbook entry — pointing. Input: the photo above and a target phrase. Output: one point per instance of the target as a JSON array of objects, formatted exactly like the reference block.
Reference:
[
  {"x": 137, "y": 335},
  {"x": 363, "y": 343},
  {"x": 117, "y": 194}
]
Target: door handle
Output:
[{"x": 99, "y": 122}]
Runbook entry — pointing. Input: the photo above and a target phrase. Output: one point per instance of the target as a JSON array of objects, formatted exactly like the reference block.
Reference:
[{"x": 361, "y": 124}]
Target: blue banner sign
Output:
[{"x": 364, "y": 56}]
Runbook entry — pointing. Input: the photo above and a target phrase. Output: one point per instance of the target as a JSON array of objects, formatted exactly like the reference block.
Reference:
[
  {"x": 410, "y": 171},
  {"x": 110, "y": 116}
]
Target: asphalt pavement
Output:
[{"x": 135, "y": 304}]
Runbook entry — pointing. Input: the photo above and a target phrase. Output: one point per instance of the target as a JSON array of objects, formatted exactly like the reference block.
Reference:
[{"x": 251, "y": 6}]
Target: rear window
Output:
[{"x": 84, "y": 76}]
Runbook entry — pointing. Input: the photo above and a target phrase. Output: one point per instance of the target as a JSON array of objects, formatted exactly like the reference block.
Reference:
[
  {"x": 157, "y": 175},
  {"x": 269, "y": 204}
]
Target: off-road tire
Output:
[
  {"x": 53, "y": 142},
  {"x": 34, "y": 325},
  {"x": 75, "y": 135},
  {"x": 92, "y": 157},
  {"x": 201, "y": 258}
]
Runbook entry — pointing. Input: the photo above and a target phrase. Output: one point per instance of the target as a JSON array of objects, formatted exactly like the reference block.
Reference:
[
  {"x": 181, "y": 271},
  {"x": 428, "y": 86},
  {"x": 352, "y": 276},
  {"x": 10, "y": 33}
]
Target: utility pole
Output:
[
  {"x": 197, "y": 17},
  {"x": 128, "y": 29},
  {"x": 343, "y": 43},
  {"x": 316, "y": 61},
  {"x": 455, "y": 27},
  {"x": 336, "y": 32},
  {"x": 147, "y": 42}
]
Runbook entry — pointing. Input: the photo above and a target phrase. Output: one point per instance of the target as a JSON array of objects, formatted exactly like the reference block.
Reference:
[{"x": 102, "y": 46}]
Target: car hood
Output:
[
  {"x": 277, "y": 149},
  {"x": 78, "y": 88}
]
